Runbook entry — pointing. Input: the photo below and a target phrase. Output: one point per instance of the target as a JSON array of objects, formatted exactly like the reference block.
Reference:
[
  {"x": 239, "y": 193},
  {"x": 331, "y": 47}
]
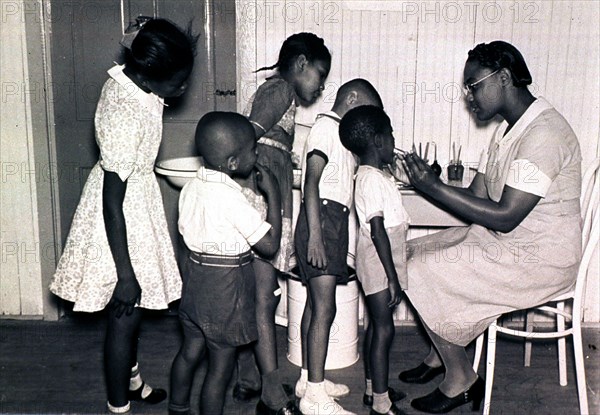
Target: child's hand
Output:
[
  {"x": 126, "y": 295},
  {"x": 316, "y": 253},
  {"x": 395, "y": 292},
  {"x": 266, "y": 180}
]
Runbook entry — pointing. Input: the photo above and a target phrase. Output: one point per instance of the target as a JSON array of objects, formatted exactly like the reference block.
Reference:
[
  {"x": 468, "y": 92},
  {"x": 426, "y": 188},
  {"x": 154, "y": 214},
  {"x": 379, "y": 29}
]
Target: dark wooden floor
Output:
[{"x": 56, "y": 368}]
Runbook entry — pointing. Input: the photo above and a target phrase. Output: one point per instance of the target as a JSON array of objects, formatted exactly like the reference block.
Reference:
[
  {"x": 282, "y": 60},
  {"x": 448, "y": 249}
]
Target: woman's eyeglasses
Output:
[{"x": 468, "y": 88}]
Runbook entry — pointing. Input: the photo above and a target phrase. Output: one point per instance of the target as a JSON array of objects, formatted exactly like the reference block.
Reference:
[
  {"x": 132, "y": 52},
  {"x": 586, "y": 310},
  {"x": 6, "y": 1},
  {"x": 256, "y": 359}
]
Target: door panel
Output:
[{"x": 85, "y": 44}]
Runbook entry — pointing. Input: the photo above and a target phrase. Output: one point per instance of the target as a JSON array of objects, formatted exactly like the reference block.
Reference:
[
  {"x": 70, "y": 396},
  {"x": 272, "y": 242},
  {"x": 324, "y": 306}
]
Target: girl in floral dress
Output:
[{"x": 118, "y": 256}]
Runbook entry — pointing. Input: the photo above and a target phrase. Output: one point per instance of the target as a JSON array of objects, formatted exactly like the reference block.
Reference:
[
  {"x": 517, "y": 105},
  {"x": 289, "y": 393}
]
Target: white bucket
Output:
[{"x": 343, "y": 337}]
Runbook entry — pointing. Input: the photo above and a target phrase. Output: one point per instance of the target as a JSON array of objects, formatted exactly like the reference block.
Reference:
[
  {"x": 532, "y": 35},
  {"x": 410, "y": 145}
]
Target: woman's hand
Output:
[
  {"x": 126, "y": 295},
  {"x": 397, "y": 170},
  {"x": 419, "y": 173}
]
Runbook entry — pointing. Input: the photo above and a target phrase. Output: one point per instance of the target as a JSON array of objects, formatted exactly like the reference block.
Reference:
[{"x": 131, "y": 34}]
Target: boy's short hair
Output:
[
  {"x": 360, "y": 125},
  {"x": 364, "y": 88},
  {"x": 220, "y": 135}
]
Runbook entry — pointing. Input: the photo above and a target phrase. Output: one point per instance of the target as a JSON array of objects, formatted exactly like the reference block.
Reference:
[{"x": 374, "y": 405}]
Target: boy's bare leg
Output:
[
  {"x": 183, "y": 370},
  {"x": 323, "y": 308},
  {"x": 268, "y": 296},
  {"x": 218, "y": 374}
]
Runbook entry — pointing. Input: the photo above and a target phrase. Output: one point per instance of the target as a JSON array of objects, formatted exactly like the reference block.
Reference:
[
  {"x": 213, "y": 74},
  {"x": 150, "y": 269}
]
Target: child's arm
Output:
[
  {"x": 315, "y": 164},
  {"x": 271, "y": 102},
  {"x": 384, "y": 251},
  {"x": 267, "y": 182},
  {"x": 127, "y": 292}
]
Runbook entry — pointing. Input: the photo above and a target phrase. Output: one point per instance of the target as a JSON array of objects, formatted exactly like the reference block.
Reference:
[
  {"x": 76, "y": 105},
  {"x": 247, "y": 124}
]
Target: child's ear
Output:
[
  {"x": 233, "y": 163},
  {"x": 301, "y": 62},
  {"x": 351, "y": 98},
  {"x": 377, "y": 140}
]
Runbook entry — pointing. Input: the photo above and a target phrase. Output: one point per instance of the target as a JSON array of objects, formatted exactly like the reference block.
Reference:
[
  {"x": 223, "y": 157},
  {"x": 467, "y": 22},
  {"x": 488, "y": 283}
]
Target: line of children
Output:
[{"x": 235, "y": 219}]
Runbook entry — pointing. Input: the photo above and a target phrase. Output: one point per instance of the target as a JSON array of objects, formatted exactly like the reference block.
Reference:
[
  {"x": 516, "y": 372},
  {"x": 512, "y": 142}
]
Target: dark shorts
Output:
[
  {"x": 334, "y": 228},
  {"x": 217, "y": 301}
]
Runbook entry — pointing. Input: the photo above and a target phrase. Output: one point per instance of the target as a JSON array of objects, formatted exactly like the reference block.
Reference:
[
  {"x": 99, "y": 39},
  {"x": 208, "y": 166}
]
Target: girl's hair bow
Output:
[{"x": 132, "y": 30}]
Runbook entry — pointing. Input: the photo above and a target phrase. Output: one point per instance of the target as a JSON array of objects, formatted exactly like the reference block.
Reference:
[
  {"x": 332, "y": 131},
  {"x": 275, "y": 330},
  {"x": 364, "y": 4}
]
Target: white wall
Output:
[
  {"x": 414, "y": 54},
  {"x": 27, "y": 222}
]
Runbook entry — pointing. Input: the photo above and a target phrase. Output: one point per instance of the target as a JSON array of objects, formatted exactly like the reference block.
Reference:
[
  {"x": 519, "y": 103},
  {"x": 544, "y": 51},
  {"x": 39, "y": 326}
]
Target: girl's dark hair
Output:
[
  {"x": 360, "y": 125},
  {"x": 497, "y": 55},
  {"x": 304, "y": 43},
  {"x": 161, "y": 49}
]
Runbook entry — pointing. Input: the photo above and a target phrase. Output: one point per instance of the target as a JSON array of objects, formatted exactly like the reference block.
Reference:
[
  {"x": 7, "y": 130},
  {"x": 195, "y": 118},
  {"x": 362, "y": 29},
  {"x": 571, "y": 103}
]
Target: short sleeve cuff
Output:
[
  {"x": 258, "y": 234},
  {"x": 482, "y": 165},
  {"x": 317, "y": 152},
  {"x": 526, "y": 176},
  {"x": 123, "y": 169},
  {"x": 379, "y": 213}
]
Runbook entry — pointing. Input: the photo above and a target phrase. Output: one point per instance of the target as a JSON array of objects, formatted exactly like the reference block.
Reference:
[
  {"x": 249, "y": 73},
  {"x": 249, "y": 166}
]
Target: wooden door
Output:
[{"x": 85, "y": 44}]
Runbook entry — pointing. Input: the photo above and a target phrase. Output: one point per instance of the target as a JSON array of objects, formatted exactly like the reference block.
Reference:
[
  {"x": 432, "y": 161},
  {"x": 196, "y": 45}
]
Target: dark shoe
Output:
[
  {"x": 394, "y": 395},
  {"x": 157, "y": 395},
  {"x": 438, "y": 403},
  {"x": 289, "y": 409},
  {"x": 245, "y": 394},
  {"x": 421, "y": 374},
  {"x": 394, "y": 410}
]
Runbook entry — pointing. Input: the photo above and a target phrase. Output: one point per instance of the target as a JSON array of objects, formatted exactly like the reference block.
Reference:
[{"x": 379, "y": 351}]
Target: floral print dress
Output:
[{"x": 128, "y": 126}]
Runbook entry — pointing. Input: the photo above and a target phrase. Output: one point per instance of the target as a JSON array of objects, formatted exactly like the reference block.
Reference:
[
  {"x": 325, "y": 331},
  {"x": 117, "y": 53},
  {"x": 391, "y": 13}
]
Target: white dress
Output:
[
  {"x": 461, "y": 279},
  {"x": 128, "y": 126}
]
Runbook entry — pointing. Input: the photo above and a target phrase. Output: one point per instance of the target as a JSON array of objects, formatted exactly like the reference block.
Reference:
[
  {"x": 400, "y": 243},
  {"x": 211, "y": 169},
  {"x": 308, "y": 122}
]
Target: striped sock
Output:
[
  {"x": 119, "y": 409},
  {"x": 136, "y": 382}
]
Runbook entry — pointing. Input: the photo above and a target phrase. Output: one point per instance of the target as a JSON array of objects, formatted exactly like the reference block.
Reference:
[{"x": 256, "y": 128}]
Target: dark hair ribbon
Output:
[{"x": 132, "y": 30}]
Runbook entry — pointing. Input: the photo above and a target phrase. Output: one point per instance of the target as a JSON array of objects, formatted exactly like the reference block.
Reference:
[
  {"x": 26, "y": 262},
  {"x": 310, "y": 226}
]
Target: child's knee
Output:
[
  {"x": 192, "y": 350},
  {"x": 267, "y": 302}
]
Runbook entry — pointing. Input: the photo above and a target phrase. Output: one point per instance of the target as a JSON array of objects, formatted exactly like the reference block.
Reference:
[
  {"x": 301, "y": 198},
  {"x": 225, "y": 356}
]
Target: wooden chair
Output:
[{"x": 590, "y": 238}]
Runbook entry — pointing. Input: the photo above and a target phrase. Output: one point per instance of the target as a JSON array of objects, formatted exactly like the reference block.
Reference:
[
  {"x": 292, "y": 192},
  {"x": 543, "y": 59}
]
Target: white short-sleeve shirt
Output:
[
  {"x": 216, "y": 218},
  {"x": 376, "y": 194},
  {"x": 337, "y": 179}
]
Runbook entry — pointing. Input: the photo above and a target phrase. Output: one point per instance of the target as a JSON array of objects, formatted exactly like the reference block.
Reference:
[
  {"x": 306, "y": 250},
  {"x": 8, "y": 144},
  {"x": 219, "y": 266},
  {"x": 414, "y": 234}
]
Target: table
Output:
[{"x": 425, "y": 213}]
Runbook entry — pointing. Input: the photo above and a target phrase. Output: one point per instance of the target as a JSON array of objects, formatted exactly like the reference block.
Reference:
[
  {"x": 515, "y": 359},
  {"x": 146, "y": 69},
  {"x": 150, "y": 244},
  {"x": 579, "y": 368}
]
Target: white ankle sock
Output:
[
  {"x": 303, "y": 375},
  {"x": 135, "y": 381},
  {"x": 381, "y": 402},
  {"x": 368, "y": 386},
  {"x": 119, "y": 409}
]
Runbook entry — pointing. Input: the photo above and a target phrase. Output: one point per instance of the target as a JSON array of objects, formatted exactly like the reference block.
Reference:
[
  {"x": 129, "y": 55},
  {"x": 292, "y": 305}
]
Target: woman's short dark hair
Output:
[
  {"x": 161, "y": 49},
  {"x": 497, "y": 55},
  {"x": 360, "y": 125}
]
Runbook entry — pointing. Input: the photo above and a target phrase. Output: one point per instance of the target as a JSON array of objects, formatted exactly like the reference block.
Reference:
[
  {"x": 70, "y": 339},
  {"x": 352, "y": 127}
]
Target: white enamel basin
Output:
[{"x": 178, "y": 171}]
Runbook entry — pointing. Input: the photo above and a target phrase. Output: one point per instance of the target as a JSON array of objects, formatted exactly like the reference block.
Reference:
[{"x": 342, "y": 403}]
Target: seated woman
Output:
[{"x": 524, "y": 244}]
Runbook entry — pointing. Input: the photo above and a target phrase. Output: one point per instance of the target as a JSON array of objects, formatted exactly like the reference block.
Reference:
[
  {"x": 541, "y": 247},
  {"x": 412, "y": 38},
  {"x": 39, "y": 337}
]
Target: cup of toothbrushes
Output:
[{"x": 456, "y": 171}]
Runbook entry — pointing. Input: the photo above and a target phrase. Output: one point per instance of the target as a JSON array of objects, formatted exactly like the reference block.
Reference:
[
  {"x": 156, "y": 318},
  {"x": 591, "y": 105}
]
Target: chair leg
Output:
[
  {"x": 489, "y": 371},
  {"x": 580, "y": 368},
  {"x": 529, "y": 317},
  {"x": 562, "y": 348},
  {"x": 478, "y": 350}
]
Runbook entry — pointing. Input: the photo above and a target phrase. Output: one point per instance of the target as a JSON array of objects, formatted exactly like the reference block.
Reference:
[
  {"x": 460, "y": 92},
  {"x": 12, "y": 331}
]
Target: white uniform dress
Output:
[
  {"x": 128, "y": 125},
  {"x": 461, "y": 279}
]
